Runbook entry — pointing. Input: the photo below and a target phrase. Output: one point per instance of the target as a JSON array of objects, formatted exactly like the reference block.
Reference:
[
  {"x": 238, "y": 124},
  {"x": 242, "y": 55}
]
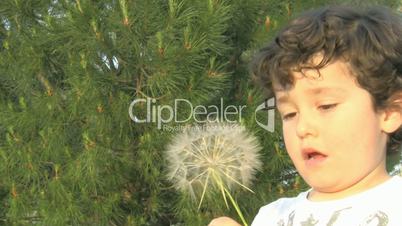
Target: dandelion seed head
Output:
[{"x": 227, "y": 151}]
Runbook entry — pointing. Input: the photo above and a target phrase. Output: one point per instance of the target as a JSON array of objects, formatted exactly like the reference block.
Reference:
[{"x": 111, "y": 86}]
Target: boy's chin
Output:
[
  {"x": 324, "y": 194},
  {"x": 330, "y": 191},
  {"x": 325, "y": 186}
]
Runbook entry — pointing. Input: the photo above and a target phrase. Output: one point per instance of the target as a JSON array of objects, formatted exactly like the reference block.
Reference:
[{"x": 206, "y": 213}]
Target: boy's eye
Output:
[
  {"x": 326, "y": 107},
  {"x": 288, "y": 116}
]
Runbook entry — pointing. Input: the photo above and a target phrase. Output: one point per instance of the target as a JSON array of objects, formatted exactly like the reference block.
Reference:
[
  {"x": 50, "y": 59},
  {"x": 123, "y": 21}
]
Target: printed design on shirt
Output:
[
  {"x": 291, "y": 217},
  {"x": 335, "y": 216},
  {"x": 381, "y": 217},
  {"x": 310, "y": 221},
  {"x": 378, "y": 218},
  {"x": 281, "y": 223}
]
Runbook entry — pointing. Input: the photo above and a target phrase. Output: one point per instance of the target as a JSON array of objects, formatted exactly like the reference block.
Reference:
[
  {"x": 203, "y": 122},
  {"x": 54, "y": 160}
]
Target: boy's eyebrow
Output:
[
  {"x": 281, "y": 100},
  {"x": 314, "y": 92},
  {"x": 319, "y": 90}
]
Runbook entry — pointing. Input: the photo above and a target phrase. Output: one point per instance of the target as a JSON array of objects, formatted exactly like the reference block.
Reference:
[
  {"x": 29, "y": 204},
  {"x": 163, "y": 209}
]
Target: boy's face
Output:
[{"x": 332, "y": 133}]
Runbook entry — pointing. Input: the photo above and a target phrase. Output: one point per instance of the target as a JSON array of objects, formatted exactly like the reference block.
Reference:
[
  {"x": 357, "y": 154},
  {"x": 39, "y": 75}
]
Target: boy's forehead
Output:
[
  {"x": 283, "y": 95},
  {"x": 331, "y": 77}
]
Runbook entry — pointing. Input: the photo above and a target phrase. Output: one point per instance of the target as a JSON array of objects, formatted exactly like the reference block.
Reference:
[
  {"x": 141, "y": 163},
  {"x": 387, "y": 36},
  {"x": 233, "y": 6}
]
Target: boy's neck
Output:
[{"x": 370, "y": 181}]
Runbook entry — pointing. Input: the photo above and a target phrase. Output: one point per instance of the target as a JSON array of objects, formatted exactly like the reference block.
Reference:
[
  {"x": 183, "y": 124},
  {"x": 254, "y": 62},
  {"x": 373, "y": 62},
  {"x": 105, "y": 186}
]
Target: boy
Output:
[{"x": 336, "y": 74}]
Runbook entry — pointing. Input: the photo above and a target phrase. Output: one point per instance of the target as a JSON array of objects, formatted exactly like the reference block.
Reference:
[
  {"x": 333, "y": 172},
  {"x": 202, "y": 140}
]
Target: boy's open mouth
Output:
[
  {"x": 312, "y": 154},
  {"x": 315, "y": 155}
]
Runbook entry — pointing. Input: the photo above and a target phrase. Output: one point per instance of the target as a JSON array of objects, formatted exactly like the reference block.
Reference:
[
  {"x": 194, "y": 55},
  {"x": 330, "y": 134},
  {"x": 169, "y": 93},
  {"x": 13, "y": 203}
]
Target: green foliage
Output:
[{"x": 69, "y": 69}]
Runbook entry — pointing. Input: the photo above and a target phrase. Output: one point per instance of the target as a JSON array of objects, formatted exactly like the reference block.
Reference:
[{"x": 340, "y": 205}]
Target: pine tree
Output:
[{"x": 70, "y": 154}]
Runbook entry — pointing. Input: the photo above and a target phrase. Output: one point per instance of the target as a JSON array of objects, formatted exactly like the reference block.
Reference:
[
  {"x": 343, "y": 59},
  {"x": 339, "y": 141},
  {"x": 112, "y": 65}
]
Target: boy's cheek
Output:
[{"x": 292, "y": 147}]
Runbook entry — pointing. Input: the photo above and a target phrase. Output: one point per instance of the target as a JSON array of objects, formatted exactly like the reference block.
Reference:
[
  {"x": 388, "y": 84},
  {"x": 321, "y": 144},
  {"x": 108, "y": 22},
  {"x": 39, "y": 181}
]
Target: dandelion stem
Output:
[
  {"x": 236, "y": 207},
  {"x": 218, "y": 180},
  {"x": 204, "y": 190}
]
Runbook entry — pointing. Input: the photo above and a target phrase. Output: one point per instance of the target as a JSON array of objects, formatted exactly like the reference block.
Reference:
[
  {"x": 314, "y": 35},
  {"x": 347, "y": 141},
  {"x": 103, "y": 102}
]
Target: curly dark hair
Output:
[{"x": 369, "y": 39}]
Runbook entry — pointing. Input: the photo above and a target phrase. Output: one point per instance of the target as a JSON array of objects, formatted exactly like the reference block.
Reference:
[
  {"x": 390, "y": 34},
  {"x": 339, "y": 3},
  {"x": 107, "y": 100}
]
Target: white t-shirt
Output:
[{"x": 379, "y": 206}]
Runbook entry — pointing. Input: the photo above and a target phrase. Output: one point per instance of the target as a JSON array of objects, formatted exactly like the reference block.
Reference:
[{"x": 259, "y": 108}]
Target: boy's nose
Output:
[{"x": 305, "y": 126}]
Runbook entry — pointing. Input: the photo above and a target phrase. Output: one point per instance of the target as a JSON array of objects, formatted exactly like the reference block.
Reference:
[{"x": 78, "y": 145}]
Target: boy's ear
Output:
[{"x": 392, "y": 115}]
